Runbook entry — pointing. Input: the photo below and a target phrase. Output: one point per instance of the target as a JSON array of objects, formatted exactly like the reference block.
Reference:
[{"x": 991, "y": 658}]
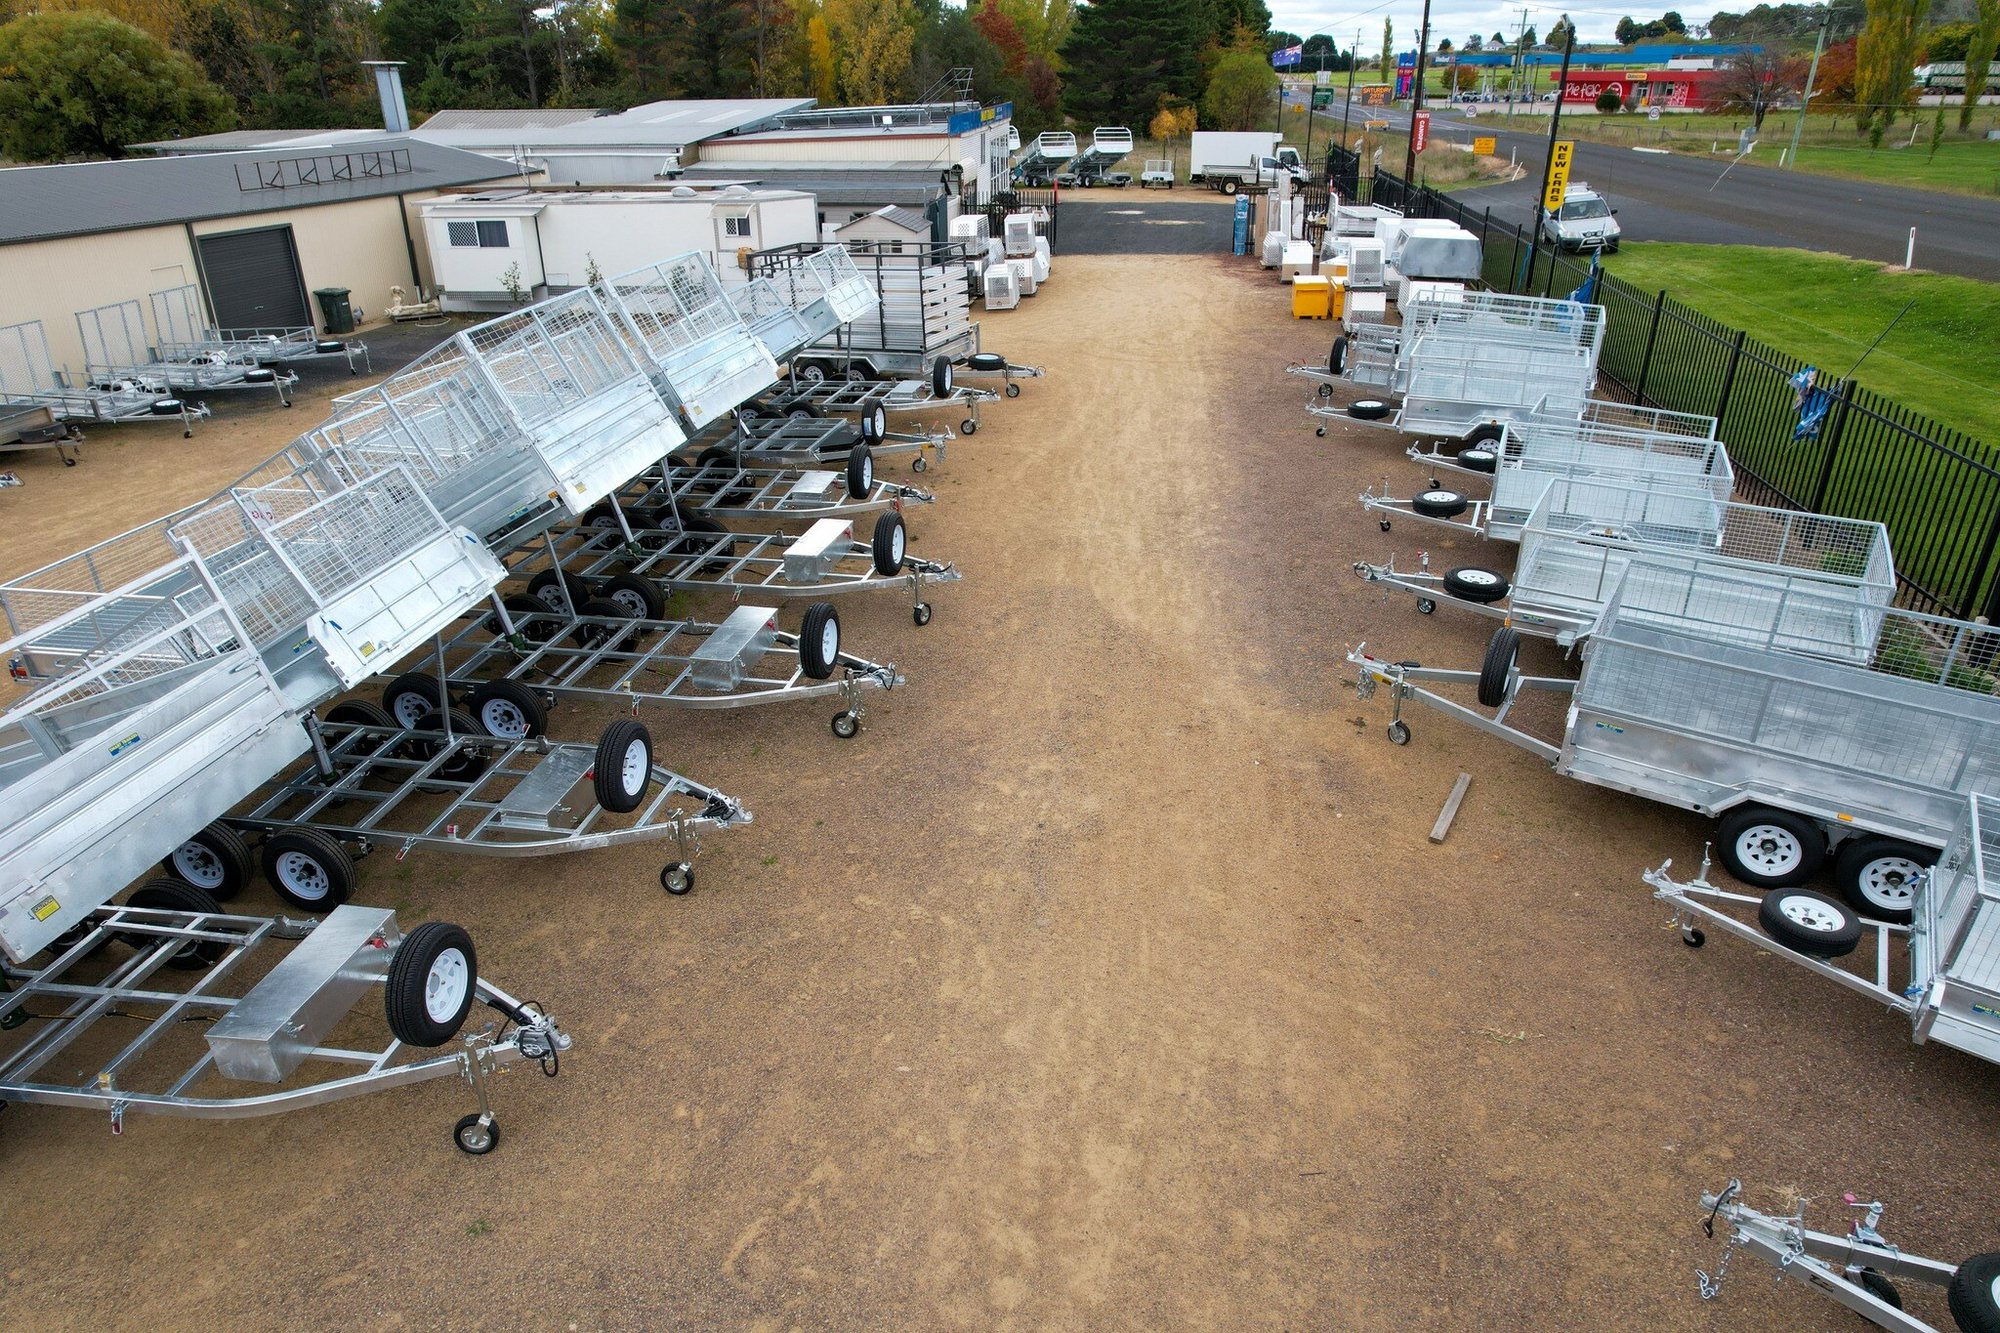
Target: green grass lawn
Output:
[{"x": 1941, "y": 359}]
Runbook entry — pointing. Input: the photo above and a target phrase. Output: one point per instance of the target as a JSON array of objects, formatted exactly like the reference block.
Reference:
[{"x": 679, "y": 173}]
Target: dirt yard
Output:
[{"x": 1107, "y": 980}]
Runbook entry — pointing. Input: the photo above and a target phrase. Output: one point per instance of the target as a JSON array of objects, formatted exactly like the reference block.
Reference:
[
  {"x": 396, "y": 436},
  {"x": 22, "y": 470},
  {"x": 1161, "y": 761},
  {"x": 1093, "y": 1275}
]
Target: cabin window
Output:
[
  {"x": 477, "y": 235},
  {"x": 736, "y": 226}
]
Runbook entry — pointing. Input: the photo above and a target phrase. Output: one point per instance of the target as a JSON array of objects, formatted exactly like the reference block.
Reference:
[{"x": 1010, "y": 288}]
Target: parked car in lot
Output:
[{"x": 1584, "y": 222}]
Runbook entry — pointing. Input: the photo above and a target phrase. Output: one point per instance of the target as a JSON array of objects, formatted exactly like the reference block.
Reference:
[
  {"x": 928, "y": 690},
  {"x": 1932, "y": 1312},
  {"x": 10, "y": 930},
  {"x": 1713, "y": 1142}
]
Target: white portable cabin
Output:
[{"x": 549, "y": 241}]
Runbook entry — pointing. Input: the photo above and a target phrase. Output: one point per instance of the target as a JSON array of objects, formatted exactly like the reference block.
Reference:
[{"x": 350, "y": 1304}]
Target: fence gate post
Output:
[
  {"x": 1836, "y": 426},
  {"x": 1646, "y": 362},
  {"x": 1729, "y": 376}
]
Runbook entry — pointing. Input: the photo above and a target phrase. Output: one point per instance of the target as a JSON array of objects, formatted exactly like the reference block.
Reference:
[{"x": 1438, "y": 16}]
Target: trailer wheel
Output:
[
  {"x": 359, "y": 713},
  {"x": 1498, "y": 665},
  {"x": 990, "y": 363},
  {"x": 1472, "y": 584},
  {"x": 921, "y": 614},
  {"x": 640, "y": 597},
  {"x": 874, "y": 425},
  {"x": 1399, "y": 732},
  {"x": 1881, "y": 1288},
  {"x": 819, "y": 640},
  {"x": 941, "y": 377},
  {"x": 530, "y": 616},
  {"x": 1368, "y": 409},
  {"x": 1336, "y": 360},
  {"x": 476, "y": 1135},
  {"x": 600, "y": 516},
  {"x": 860, "y": 472},
  {"x": 215, "y": 860},
  {"x": 597, "y": 608},
  {"x": 1974, "y": 1294},
  {"x": 1478, "y": 459},
  {"x": 1878, "y": 876},
  {"x": 411, "y": 697},
  {"x": 508, "y": 709},
  {"x": 623, "y": 768},
  {"x": 547, "y": 588},
  {"x": 716, "y": 453},
  {"x": 968, "y": 427},
  {"x": 1488, "y": 432},
  {"x": 465, "y": 763},
  {"x": 172, "y": 895},
  {"x": 431, "y": 984},
  {"x": 891, "y": 543},
  {"x": 309, "y": 868},
  {"x": 1769, "y": 848},
  {"x": 1809, "y": 922},
  {"x": 1013, "y": 389},
  {"x": 677, "y": 878},
  {"x": 1438, "y": 503}
]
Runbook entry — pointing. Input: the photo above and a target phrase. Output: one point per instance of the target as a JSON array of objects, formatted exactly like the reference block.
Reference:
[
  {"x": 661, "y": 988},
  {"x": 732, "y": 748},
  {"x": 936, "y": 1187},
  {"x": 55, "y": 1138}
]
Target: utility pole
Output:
[
  {"x": 1345, "y": 110},
  {"x": 1805, "y": 103},
  {"x": 1549, "y": 164},
  {"x": 1514, "y": 63},
  {"x": 1417, "y": 98}
]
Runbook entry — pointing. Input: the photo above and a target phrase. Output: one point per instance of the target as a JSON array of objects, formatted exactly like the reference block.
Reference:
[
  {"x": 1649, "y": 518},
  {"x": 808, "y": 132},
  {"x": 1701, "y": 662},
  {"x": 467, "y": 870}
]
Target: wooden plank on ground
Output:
[{"x": 1451, "y": 804}]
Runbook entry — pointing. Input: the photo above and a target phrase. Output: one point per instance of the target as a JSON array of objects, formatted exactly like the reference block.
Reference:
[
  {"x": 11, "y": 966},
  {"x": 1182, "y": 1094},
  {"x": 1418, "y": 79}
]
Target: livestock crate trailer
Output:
[
  {"x": 1813, "y": 727},
  {"x": 1582, "y": 537}
]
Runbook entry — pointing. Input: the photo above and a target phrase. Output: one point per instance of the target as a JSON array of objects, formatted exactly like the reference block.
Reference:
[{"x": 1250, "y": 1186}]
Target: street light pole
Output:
[{"x": 1805, "y": 103}]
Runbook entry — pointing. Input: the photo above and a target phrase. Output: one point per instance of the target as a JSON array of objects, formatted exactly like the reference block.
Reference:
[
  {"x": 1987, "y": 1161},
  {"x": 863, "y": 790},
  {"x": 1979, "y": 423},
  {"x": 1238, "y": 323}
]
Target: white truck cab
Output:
[{"x": 1584, "y": 222}]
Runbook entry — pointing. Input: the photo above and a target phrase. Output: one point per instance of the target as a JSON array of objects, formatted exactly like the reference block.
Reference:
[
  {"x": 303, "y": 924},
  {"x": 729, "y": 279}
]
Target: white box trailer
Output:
[{"x": 549, "y": 241}]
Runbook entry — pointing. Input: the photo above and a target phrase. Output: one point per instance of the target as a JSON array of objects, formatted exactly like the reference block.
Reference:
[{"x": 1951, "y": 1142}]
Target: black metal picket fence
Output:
[
  {"x": 1010, "y": 199},
  {"x": 1936, "y": 489}
]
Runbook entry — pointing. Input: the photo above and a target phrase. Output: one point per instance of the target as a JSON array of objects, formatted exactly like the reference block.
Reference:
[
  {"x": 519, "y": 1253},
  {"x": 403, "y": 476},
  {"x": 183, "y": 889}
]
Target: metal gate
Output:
[{"x": 253, "y": 279}]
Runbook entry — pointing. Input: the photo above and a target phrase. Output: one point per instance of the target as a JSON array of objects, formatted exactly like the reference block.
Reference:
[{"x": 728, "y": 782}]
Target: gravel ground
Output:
[{"x": 1107, "y": 980}]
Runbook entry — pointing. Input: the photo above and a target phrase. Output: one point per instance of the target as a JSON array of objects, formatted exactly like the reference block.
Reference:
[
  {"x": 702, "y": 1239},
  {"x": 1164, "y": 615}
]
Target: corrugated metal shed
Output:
[{"x": 77, "y": 199}]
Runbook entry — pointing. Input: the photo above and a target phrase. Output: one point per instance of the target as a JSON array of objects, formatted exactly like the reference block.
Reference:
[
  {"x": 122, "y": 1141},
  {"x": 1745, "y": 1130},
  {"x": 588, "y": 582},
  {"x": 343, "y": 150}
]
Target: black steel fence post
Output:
[
  {"x": 1652, "y": 333},
  {"x": 1729, "y": 376},
  {"x": 1549, "y": 287},
  {"x": 1514, "y": 264},
  {"x": 1836, "y": 426}
]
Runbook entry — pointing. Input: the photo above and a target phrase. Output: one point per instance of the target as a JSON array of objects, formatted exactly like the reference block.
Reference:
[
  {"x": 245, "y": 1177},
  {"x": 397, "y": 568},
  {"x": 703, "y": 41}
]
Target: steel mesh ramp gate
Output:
[{"x": 682, "y": 324}]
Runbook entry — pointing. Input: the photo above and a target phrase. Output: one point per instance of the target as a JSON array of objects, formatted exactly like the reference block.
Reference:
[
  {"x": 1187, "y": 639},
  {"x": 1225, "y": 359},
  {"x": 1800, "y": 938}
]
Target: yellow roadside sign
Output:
[
  {"x": 1558, "y": 175},
  {"x": 1484, "y": 147}
]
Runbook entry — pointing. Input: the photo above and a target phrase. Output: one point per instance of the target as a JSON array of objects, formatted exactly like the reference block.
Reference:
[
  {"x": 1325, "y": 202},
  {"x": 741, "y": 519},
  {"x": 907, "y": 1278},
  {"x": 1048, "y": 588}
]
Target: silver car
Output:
[{"x": 1584, "y": 222}]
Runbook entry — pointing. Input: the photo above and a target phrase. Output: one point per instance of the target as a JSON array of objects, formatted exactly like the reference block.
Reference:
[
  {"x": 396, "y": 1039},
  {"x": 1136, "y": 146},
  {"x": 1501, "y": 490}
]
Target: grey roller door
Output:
[{"x": 253, "y": 280}]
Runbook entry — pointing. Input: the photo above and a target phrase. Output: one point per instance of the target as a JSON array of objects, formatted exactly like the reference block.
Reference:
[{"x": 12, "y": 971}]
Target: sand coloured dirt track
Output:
[{"x": 1107, "y": 980}]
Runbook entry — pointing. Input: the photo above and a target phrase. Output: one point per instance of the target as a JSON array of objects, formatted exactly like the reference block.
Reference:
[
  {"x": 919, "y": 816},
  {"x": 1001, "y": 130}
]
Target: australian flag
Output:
[{"x": 1288, "y": 57}]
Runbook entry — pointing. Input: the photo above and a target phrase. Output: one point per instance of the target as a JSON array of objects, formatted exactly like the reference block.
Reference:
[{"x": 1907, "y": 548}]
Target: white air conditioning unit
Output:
[{"x": 1003, "y": 287}]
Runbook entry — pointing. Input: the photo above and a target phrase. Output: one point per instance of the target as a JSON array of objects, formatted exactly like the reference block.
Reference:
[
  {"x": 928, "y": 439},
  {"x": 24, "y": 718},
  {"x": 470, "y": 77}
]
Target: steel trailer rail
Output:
[
  {"x": 893, "y": 397},
  {"x": 1769, "y": 720},
  {"x": 669, "y": 499},
  {"x": 803, "y": 440},
  {"x": 1572, "y": 559},
  {"x": 182, "y": 332},
  {"x": 265, "y": 1033},
  {"x": 1605, "y": 431},
  {"x": 117, "y": 353}
]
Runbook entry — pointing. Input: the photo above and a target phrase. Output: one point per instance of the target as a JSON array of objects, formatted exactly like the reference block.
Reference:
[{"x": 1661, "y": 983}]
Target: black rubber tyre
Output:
[
  {"x": 431, "y": 984},
  {"x": 1876, "y": 876},
  {"x": 1399, "y": 732},
  {"x": 427, "y": 738},
  {"x": 1498, "y": 663},
  {"x": 677, "y": 878},
  {"x": 167, "y": 407},
  {"x": 597, "y": 608},
  {"x": 599, "y": 517},
  {"x": 259, "y": 376},
  {"x": 874, "y": 425},
  {"x": 941, "y": 376},
  {"x": 530, "y": 616},
  {"x": 309, "y": 868},
  {"x": 360, "y": 713},
  {"x": 1881, "y": 1288},
  {"x": 1336, "y": 360},
  {"x": 891, "y": 543},
  {"x": 968, "y": 427},
  {"x": 473, "y": 1138},
  {"x": 1809, "y": 922},
  {"x": 173, "y": 895},
  {"x": 819, "y": 640},
  {"x": 697, "y": 533},
  {"x": 1013, "y": 389},
  {"x": 1974, "y": 1294},
  {"x": 508, "y": 709},
  {"x": 1229, "y": 187},
  {"x": 410, "y": 697},
  {"x": 860, "y": 472},
  {"x": 1470, "y": 583},
  {"x": 326, "y": 345},
  {"x": 1769, "y": 848},
  {"x": 1489, "y": 432},
  {"x": 1479, "y": 459},
  {"x": 546, "y": 588},
  {"x": 641, "y": 597},
  {"x": 987, "y": 363},
  {"x": 623, "y": 769},
  {"x": 1438, "y": 503},
  {"x": 716, "y": 453},
  {"x": 215, "y": 860},
  {"x": 1368, "y": 409},
  {"x": 921, "y": 614}
]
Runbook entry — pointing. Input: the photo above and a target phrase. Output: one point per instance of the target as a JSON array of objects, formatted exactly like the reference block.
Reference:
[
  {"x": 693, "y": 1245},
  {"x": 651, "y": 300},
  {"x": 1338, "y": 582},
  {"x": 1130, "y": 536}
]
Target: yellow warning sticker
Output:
[{"x": 46, "y": 908}]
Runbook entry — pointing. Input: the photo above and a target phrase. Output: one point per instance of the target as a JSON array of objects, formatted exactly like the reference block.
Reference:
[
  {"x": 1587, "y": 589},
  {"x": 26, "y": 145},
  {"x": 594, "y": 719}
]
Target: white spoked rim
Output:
[
  {"x": 302, "y": 876},
  {"x": 867, "y": 477},
  {"x": 1475, "y": 456},
  {"x": 636, "y": 767},
  {"x": 1810, "y": 914},
  {"x": 1369, "y": 405},
  {"x": 898, "y": 543},
  {"x": 630, "y": 602},
  {"x": 829, "y": 640},
  {"x": 198, "y": 865},
  {"x": 550, "y": 595},
  {"x": 446, "y": 984},
  {"x": 1478, "y": 578},
  {"x": 411, "y": 708},
  {"x": 1769, "y": 850},
  {"x": 503, "y": 718},
  {"x": 880, "y": 421},
  {"x": 1890, "y": 882},
  {"x": 1440, "y": 497}
]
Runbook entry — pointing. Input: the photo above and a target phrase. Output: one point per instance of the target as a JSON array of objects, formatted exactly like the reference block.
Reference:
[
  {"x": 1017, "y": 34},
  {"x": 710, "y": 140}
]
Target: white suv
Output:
[{"x": 1584, "y": 222}]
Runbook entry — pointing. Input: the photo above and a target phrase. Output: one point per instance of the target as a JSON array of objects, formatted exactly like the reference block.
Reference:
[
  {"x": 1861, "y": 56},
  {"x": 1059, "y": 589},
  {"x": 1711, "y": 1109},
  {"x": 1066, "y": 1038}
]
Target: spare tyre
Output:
[{"x": 1368, "y": 409}]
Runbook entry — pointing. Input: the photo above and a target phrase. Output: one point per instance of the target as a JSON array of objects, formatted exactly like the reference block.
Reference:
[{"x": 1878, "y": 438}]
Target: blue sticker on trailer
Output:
[{"x": 1242, "y": 233}]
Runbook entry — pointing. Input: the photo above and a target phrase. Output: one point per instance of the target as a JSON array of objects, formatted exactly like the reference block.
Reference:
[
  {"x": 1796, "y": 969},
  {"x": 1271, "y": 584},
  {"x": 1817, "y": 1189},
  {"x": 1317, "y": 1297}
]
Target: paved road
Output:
[
  {"x": 1669, "y": 197},
  {"x": 1132, "y": 222}
]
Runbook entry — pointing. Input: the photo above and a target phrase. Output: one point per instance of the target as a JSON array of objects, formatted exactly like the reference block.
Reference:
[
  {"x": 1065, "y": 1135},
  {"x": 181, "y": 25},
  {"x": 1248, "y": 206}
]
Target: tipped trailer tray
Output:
[
  {"x": 1572, "y": 558},
  {"x": 825, "y": 559},
  {"x": 894, "y": 397},
  {"x": 1768, "y": 722},
  {"x": 1937, "y": 964},
  {"x": 207, "y": 1047},
  {"x": 600, "y": 653},
  {"x": 1696, "y": 479}
]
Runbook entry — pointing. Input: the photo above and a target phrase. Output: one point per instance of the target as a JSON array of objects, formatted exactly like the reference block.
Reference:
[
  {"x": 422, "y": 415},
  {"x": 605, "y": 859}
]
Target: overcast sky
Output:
[{"x": 1456, "y": 19}]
